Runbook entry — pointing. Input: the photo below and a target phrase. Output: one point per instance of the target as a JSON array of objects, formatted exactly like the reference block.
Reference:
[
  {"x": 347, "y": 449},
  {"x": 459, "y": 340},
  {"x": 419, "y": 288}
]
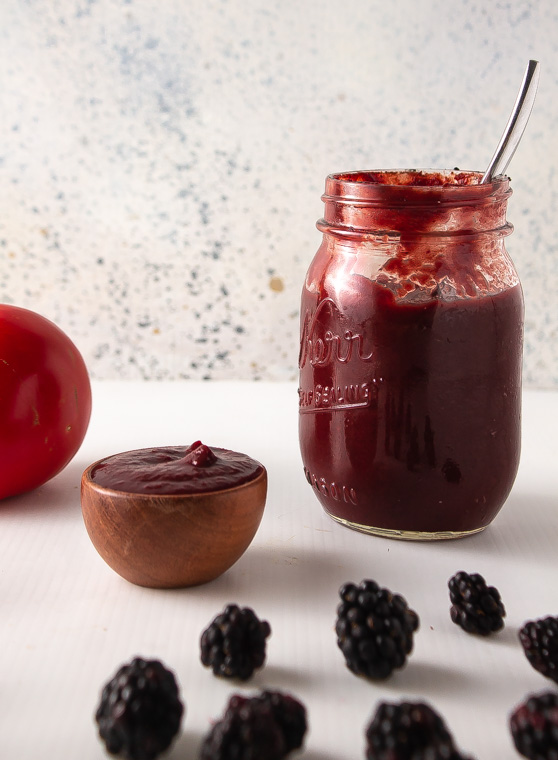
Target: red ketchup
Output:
[
  {"x": 176, "y": 470},
  {"x": 410, "y": 355}
]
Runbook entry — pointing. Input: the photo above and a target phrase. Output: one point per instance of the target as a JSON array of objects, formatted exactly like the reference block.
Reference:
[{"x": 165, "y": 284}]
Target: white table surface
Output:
[{"x": 67, "y": 621}]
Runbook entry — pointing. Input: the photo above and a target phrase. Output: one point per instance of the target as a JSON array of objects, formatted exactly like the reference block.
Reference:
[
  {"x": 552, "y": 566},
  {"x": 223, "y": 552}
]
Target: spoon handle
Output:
[{"x": 516, "y": 123}]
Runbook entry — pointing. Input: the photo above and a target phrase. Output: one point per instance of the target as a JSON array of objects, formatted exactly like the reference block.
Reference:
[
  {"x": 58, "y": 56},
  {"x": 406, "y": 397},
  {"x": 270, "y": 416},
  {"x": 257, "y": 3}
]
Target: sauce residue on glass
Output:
[
  {"x": 176, "y": 470},
  {"x": 413, "y": 178}
]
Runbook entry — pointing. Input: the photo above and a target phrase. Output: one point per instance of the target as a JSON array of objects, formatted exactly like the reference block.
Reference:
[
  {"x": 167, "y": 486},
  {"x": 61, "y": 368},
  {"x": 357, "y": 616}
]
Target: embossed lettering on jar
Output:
[{"x": 410, "y": 354}]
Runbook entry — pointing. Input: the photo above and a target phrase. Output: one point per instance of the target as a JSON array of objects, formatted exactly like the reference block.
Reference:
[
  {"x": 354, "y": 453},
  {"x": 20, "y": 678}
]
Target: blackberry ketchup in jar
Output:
[{"x": 410, "y": 354}]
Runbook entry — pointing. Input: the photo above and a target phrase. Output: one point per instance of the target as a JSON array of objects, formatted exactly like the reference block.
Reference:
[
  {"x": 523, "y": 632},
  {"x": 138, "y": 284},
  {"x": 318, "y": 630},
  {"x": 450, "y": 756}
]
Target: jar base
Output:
[{"x": 406, "y": 535}]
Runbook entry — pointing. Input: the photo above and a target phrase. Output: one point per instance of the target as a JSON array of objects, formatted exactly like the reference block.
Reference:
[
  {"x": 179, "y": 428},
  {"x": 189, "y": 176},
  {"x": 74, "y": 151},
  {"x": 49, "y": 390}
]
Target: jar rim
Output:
[{"x": 413, "y": 186}]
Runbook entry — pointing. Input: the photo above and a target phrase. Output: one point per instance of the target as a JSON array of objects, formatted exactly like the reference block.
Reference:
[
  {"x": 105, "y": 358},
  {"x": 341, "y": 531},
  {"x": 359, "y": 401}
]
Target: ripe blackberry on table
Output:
[
  {"x": 140, "y": 710},
  {"x": 374, "y": 629},
  {"x": 264, "y": 727},
  {"x": 409, "y": 731},
  {"x": 475, "y": 607},
  {"x": 539, "y": 639},
  {"x": 289, "y": 714},
  {"x": 534, "y": 727},
  {"x": 234, "y": 643}
]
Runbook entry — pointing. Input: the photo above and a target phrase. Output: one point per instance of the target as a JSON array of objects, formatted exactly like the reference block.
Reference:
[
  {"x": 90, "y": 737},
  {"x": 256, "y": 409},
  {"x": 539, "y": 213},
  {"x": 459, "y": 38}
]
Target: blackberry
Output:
[
  {"x": 140, "y": 710},
  {"x": 475, "y": 607},
  {"x": 234, "y": 643},
  {"x": 290, "y": 715},
  {"x": 539, "y": 639},
  {"x": 265, "y": 727},
  {"x": 409, "y": 731},
  {"x": 374, "y": 629},
  {"x": 534, "y": 727}
]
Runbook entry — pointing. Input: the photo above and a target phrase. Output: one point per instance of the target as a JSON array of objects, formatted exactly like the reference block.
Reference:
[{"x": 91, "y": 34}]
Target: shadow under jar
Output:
[{"x": 411, "y": 353}]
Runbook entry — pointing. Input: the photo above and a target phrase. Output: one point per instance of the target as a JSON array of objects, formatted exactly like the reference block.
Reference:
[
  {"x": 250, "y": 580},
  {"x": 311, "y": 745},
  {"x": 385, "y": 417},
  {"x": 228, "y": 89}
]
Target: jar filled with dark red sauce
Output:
[{"x": 411, "y": 353}]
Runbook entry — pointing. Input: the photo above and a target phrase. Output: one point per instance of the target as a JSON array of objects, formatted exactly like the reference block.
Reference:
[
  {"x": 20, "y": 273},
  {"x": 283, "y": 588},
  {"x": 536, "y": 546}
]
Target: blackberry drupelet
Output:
[
  {"x": 265, "y": 727},
  {"x": 409, "y": 731},
  {"x": 234, "y": 643},
  {"x": 539, "y": 639},
  {"x": 534, "y": 727},
  {"x": 140, "y": 710},
  {"x": 374, "y": 629},
  {"x": 475, "y": 607}
]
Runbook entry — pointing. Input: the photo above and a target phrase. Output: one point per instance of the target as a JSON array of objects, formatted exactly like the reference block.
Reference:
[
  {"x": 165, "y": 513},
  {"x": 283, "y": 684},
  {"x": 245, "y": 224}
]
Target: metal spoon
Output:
[{"x": 516, "y": 123}]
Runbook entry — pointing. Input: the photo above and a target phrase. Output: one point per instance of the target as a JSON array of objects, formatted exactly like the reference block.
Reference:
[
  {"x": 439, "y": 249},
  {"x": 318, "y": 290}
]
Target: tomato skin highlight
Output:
[{"x": 45, "y": 400}]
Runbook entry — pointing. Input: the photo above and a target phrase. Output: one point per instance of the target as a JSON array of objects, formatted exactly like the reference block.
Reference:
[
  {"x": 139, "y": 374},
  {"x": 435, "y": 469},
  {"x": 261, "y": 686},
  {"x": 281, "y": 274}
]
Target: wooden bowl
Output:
[{"x": 172, "y": 540}]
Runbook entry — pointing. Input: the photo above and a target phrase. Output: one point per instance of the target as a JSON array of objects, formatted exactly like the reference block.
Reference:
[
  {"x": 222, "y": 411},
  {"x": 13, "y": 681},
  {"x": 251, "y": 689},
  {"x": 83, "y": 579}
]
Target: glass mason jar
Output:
[{"x": 410, "y": 354}]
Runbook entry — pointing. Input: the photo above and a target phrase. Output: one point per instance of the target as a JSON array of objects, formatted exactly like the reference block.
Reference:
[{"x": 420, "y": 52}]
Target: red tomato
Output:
[{"x": 45, "y": 400}]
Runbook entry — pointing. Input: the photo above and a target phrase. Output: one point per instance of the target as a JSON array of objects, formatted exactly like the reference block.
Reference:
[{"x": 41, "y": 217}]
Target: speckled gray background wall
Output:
[{"x": 161, "y": 161}]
